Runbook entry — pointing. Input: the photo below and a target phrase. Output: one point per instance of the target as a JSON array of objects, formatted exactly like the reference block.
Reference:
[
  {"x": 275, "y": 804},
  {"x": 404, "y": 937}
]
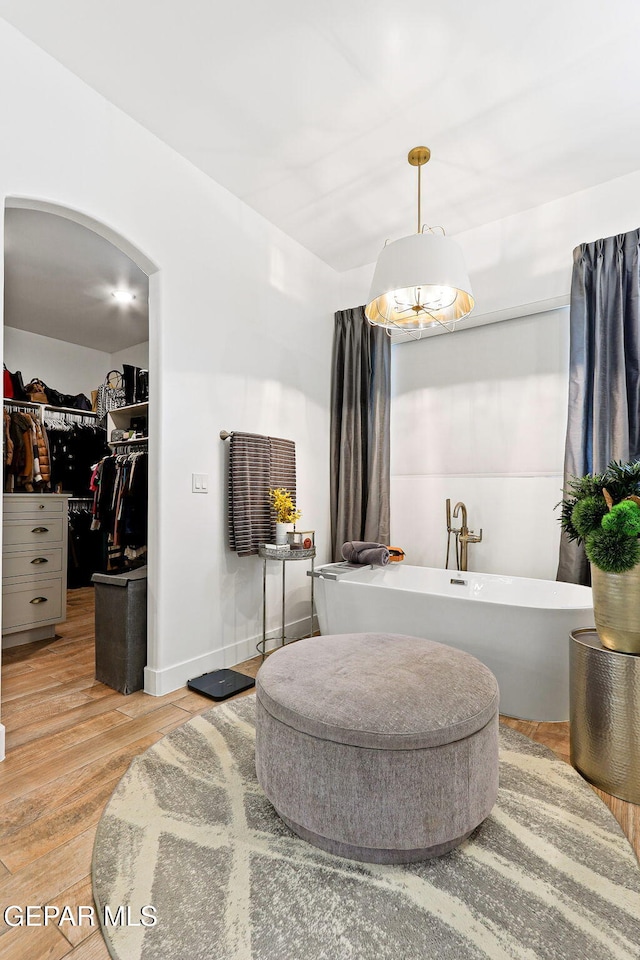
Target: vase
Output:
[
  {"x": 616, "y": 608},
  {"x": 281, "y": 532}
]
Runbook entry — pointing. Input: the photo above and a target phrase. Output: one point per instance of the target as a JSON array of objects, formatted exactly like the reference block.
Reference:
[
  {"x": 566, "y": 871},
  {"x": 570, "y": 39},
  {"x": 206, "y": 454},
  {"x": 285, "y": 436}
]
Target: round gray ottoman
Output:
[{"x": 377, "y": 747}]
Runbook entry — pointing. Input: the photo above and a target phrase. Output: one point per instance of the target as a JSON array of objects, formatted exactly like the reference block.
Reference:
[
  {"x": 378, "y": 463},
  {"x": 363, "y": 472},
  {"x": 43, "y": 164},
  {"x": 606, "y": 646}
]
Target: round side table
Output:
[
  {"x": 605, "y": 715},
  {"x": 267, "y": 553}
]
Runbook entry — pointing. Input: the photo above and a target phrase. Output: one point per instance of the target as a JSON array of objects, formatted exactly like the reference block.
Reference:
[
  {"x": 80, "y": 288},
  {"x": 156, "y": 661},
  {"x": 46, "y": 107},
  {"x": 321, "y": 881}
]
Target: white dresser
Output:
[{"x": 34, "y": 566}]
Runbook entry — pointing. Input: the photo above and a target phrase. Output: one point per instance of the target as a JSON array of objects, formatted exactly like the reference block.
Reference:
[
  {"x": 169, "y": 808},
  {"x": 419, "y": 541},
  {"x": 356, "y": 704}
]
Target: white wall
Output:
[
  {"x": 67, "y": 367},
  {"x": 240, "y": 338},
  {"x": 480, "y": 416},
  {"x": 138, "y": 356},
  {"x": 529, "y": 256}
]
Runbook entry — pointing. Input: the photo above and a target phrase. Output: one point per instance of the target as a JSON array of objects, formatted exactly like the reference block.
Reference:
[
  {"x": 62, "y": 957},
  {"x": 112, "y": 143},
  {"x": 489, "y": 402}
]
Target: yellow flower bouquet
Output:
[{"x": 283, "y": 506}]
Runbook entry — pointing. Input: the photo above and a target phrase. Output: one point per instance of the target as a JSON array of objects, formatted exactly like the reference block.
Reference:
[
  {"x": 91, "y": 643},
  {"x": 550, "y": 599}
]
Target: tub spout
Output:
[
  {"x": 460, "y": 508},
  {"x": 465, "y": 536}
]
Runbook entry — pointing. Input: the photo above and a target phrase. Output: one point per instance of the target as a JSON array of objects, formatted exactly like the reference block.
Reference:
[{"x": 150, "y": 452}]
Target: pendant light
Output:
[{"x": 420, "y": 280}]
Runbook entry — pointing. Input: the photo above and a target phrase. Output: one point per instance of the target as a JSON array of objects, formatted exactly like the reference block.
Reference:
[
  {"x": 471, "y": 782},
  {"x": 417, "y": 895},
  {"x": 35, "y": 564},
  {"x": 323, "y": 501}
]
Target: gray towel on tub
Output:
[{"x": 360, "y": 551}]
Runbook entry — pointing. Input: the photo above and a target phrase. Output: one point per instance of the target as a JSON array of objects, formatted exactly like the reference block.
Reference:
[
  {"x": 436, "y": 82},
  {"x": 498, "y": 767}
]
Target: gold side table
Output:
[
  {"x": 605, "y": 715},
  {"x": 284, "y": 557}
]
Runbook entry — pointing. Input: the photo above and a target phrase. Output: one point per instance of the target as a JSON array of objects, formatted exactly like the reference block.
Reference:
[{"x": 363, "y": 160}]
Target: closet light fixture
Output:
[
  {"x": 123, "y": 296},
  {"x": 420, "y": 280}
]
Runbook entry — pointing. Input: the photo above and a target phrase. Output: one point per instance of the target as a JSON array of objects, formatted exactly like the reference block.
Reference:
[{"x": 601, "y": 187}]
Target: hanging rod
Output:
[
  {"x": 49, "y": 408},
  {"x": 73, "y": 410},
  {"x": 224, "y": 435},
  {"x": 30, "y": 404}
]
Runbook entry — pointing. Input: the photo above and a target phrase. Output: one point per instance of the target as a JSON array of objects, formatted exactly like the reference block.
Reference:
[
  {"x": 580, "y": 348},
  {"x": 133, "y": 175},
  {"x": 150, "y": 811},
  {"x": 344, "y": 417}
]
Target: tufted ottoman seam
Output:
[{"x": 377, "y": 733}]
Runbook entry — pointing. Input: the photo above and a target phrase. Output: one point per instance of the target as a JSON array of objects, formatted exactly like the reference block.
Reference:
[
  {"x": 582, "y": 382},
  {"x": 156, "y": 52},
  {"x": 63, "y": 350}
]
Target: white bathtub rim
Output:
[{"x": 452, "y": 594}]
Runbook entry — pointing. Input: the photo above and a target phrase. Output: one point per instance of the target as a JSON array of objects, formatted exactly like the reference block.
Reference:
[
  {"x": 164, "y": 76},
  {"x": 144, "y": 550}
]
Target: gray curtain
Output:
[
  {"x": 604, "y": 372},
  {"x": 360, "y": 433}
]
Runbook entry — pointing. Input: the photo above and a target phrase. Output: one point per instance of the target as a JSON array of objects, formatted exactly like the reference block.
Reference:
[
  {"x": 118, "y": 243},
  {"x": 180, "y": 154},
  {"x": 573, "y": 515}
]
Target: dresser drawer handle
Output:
[
  {"x": 40, "y": 560},
  {"x": 39, "y": 600},
  {"x": 40, "y": 530},
  {"x": 41, "y": 506}
]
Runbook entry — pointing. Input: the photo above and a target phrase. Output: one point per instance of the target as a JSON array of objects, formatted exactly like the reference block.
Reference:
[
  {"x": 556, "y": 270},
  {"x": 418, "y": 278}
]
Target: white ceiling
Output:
[
  {"x": 307, "y": 110},
  {"x": 59, "y": 277}
]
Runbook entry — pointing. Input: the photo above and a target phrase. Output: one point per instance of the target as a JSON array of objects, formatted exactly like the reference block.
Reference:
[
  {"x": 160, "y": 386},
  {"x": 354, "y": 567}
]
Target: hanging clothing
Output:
[
  {"x": 61, "y": 451},
  {"x": 8, "y": 442},
  {"x": 120, "y": 507},
  {"x": 86, "y": 554},
  {"x": 26, "y": 453},
  {"x": 75, "y": 448},
  {"x": 56, "y": 453}
]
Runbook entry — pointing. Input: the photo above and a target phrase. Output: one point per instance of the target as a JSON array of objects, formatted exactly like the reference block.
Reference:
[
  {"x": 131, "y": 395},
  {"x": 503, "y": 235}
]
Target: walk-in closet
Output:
[{"x": 76, "y": 427}]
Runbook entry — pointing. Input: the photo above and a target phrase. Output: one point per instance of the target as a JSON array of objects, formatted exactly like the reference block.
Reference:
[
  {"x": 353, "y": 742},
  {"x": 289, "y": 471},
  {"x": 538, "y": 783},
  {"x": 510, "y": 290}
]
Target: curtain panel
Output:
[
  {"x": 360, "y": 431},
  {"x": 604, "y": 369}
]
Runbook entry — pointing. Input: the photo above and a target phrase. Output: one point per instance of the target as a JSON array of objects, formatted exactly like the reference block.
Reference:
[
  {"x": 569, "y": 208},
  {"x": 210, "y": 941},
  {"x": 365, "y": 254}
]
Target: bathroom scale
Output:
[{"x": 220, "y": 684}]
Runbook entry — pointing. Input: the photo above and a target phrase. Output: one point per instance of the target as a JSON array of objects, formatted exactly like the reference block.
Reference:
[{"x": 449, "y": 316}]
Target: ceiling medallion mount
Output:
[{"x": 419, "y": 156}]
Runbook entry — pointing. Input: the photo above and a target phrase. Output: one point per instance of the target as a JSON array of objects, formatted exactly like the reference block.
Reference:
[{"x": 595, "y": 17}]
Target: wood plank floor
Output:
[{"x": 69, "y": 740}]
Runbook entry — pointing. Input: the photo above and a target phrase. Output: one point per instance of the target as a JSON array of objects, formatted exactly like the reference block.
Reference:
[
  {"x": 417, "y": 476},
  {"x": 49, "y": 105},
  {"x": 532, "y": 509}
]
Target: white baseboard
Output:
[
  {"x": 2, "y": 729},
  {"x": 159, "y": 682}
]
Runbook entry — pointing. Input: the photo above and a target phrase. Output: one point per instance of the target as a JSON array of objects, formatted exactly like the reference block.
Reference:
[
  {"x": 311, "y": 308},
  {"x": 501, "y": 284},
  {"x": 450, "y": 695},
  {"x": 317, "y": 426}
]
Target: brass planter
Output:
[
  {"x": 616, "y": 608},
  {"x": 605, "y": 716}
]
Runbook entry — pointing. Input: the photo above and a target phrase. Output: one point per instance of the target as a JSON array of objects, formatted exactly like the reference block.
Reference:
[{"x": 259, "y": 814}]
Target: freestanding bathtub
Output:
[{"x": 516, "y": 626}]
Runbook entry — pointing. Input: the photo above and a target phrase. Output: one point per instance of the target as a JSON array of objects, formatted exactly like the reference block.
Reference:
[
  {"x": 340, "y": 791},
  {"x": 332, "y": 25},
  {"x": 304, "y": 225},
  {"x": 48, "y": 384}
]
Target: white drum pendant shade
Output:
[{"x": 419, "y": 280}]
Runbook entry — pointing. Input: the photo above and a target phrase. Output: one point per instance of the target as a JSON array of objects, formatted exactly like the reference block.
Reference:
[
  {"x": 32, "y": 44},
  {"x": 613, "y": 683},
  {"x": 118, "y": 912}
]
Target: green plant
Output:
[
  {"x": 603, "y": 510},
  {"x": 587, "y": 515},
  {"x": 624, "y": 517},
  {"x": 579, "y": 489},
  {"x": 622, "y": 479},
  {"x": 611, "y": 551}
]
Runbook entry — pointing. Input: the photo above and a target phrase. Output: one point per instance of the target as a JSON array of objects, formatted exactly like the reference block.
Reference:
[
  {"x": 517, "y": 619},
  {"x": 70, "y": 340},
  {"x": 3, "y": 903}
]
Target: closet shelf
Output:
[{"x": 131, "y": 408}]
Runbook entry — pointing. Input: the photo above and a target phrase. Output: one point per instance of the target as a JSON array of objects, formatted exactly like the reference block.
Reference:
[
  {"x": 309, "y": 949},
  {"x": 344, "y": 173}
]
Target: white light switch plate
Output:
[{"x": 200, "y": 483}]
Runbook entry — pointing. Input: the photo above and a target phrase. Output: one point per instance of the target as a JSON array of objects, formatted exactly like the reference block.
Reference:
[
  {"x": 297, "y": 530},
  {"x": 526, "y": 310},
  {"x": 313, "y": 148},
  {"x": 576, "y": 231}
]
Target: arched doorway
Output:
[{"x": 84, "y": 238}]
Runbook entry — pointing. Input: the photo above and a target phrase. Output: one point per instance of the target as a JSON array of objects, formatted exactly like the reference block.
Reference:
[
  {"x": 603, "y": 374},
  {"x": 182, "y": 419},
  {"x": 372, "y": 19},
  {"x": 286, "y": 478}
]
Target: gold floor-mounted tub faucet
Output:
[{"x": 463, "y": 535}]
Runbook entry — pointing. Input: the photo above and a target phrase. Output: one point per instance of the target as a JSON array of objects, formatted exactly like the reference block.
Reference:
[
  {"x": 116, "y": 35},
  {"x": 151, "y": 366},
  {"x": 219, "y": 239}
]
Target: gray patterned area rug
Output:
[{"x": 548, "y": 876}]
